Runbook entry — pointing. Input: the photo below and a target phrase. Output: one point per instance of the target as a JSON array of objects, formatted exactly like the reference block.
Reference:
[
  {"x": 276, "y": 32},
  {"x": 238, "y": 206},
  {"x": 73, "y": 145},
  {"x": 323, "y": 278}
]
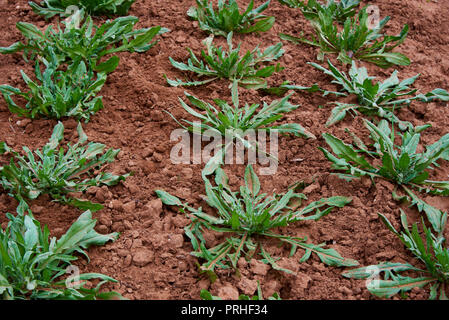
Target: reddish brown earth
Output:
[{"x": 151, "y": 259}]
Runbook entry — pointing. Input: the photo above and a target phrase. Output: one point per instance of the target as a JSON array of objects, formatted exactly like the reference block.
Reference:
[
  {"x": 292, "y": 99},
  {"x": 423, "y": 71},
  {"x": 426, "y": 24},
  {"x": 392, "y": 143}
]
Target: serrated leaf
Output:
[{"x": 329, "y": 256}]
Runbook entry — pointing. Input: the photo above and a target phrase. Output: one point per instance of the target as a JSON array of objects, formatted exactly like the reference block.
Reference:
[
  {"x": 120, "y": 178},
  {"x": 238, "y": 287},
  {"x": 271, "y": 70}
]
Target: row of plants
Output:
[
  {"x": 71, "y": 65},
  {"x": 248, "y": 216},
  {"x": 71, "y": 62}
]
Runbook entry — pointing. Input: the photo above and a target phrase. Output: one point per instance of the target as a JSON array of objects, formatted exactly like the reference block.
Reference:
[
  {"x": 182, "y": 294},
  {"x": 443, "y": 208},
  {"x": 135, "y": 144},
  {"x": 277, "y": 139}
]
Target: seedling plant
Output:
[
  {"x": 80, "y": 38},
  {"x": 59, "y": 172},
  {"x": 381, "y": 98},
  {"x": 58, "y": 93},
  {"x": 431, "y": 252},
  {"x": 74, "y": 72},
  {"x": 233, "y": 122},
  {"x": 50, "y": 8},
  {"x": 401, "y": 164},
  {"x": 217, "y": 62},
  {"x": 32, "y": 266},
  {"x": 227, "y": 18},
  {"x": 356, "y": 41},
  {"x": 246, "y": 215},
  {"x": 339, "y": 11}
]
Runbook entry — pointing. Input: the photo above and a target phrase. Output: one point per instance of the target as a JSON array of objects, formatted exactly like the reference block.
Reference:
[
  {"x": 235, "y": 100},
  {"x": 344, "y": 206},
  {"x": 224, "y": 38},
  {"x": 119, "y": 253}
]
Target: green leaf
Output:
[
  {"x": 77, "y": 231},
  {"x": 4, "y": 147},
  {"x": 345, "y": 151},
  {"x": 251, "y": 180},
  {"x": 168, "y": 199},
  {"x": 435, "y": 216},
  {"x": 391, "y": 57},
  {"x": 108, "y": 66},
  {"x": 339, "y": 113},
  {"x": 206, "y": 295},
  {"x": 5, "y": 287},
  {"x": 329, "y": 256},
  {"x": 82, "y": 137},
  {"x": 29, "y": 30},
  {"x": 389, "y": 288},
  {"x": 373, "y": 271},
  {"x": 15, "y": 47},
  {"x": 31, "y": 236},
  {"x": 213, "y": 164},
  {"x": 85, "y": 205},
  {"x": 438, "y": 93},
  {"x": 56, "y": 137}
]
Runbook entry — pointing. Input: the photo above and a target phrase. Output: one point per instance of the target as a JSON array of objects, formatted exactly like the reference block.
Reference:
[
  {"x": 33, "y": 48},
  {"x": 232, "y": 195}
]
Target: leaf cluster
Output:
[
  {"x": 81, "y": 39},
  {"x": 247, "y": 213},
  {"x": 227, "y": 18},
  {"x": 432, "y": 252},
  {"x": 59, "y": 172},
  {"x": 380, "y": 98},
  {"x": 234, "y": 122},
  {"x": 217, "y": 63},
  {"x": 401, "y": 164},
  {"x": 339, "y": 11},
  {"x": 356, "y": 41},
  {"x": 73, "y": 69},
  {"x": 32, "y": 265},
  {"x": 50, "y": 8},
  {"x": 58, "y": 93}
]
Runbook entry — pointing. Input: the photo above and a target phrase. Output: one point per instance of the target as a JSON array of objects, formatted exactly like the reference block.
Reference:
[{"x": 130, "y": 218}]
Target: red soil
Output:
[{"x": 151, "y": 259}]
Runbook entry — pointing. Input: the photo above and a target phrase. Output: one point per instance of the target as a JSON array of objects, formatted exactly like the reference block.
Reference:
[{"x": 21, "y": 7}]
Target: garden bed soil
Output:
[{"x": 151, "y": 259}]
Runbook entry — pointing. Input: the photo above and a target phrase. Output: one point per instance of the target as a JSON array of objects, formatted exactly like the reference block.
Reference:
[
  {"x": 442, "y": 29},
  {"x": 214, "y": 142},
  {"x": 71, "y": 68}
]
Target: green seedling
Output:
[
  {"x": 219, "y": 63},
  {"x": 74, "y": 72},
  {"x": 402, "y": 164},
  {"x": 431, "y": 252},
  {"x": 58, "y": 172},
  {"x": 356, "y": 41},
  {"x": 81, "y": 39},
  {"x": 227, "y": 18},
  {"x": 58, "y": 93},
  {"x": 339, "y": 11},
  {"x": 32, "y": 266},
  {"x": 50, "y": 8},
  {"x": 246, "y": 216},
  {"x": 380, "y": 98},
  {"x": 234, "y": 122}
]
